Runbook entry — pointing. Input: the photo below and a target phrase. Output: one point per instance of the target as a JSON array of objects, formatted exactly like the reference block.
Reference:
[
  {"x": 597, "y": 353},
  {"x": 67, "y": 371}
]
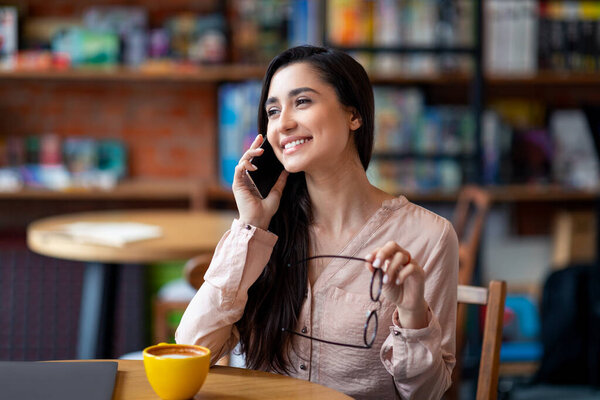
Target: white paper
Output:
[{"x": 116, "y": 234}]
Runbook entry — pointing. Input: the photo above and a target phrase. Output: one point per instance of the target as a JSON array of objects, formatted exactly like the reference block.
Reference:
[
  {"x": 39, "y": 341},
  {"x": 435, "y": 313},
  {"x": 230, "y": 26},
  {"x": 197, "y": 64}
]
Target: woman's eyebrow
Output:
[
  {"x": 296, "y": 92},
  {"x": 292, "y": 93}
]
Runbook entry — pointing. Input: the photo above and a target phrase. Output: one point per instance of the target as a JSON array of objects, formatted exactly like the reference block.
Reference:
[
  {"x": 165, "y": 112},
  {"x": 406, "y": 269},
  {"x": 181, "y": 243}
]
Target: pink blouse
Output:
[{"x": 414, "y": 363}]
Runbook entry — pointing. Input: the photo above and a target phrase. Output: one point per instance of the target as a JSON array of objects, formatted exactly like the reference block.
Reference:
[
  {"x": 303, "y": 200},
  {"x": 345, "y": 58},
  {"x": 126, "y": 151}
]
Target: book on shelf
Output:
[
  {"x": 258, "y": 29},
  {"x": 568, "y": 36},
  {"x": 8, "y": 35},
  {"x": 49, "y": 161},
  {"x": 238, "y": 106},
  {"x": 305, "y": 26},
  {"x": 575, "y": 160},
  {"x": 511, "y": 36}
]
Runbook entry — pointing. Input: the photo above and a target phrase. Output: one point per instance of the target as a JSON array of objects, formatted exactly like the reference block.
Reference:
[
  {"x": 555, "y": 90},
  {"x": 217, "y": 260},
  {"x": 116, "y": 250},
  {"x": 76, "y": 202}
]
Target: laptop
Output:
[{"x": 32, "y": 380}]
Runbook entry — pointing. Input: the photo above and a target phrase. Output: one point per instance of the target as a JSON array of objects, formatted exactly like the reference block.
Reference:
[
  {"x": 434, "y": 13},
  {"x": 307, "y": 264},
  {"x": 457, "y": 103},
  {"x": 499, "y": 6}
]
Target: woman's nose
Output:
[{"x": 286, "y": 121}]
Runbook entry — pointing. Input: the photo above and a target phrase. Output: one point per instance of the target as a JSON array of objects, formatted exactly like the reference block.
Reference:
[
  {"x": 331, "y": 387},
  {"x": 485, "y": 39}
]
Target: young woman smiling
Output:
[{"x": 305, "y": 316}]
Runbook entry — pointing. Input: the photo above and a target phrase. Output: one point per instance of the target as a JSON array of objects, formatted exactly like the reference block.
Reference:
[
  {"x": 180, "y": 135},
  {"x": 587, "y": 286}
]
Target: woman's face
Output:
[{"x": 308, "y": 128}]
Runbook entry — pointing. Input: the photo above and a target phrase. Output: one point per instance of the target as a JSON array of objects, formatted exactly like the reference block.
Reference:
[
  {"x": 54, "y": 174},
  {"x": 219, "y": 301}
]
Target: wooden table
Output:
[
  {"x": 185, "y": 234},
  {"x": 224, "y": 383}
]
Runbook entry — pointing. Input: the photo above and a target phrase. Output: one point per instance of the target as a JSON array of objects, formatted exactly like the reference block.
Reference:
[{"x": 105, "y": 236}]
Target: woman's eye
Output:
[
  {"x": 301, "y": 101},
  {"x": 271, "y": 112}
]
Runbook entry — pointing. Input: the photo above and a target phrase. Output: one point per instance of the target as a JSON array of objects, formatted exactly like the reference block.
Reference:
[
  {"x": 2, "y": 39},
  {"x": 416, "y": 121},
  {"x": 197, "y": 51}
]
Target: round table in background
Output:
[{"x": 185, "y": 234}]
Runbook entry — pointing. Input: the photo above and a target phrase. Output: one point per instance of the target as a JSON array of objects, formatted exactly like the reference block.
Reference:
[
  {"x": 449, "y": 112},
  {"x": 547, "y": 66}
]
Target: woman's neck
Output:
[{"x": 342, "y": 198}]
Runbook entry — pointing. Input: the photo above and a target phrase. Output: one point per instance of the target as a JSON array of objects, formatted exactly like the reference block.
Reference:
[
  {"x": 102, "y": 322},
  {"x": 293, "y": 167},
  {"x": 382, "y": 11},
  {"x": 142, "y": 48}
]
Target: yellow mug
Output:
[{"x": 176, "y": 371}]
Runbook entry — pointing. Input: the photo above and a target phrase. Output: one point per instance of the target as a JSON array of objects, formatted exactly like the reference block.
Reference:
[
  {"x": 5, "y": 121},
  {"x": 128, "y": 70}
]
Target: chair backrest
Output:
[
  {"x": 193, "y": 271},
  {"x": 468, "y": 220},
  {"x": 195, "y": 268},
  {"x": 493, "y": 297}
]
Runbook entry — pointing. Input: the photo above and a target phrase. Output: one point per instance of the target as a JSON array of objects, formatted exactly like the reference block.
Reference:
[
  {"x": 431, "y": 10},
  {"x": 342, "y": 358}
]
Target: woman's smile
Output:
[{"x": 292, "y": 145}]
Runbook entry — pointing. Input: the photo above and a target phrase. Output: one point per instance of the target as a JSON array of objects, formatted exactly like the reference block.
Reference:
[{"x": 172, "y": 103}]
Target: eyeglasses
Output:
[{"x": 371, "y": 325}]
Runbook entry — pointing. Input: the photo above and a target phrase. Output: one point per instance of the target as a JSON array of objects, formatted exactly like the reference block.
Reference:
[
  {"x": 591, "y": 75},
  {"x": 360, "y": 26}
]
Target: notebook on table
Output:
[{"x": 31, "y": 380}]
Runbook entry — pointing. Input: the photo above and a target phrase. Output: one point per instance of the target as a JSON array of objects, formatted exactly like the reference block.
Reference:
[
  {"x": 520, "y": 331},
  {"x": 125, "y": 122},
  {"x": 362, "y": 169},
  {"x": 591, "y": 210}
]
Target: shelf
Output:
[
  {"x": 223, "y": 73},
  {"x": 190, "y": 190},
  {"x": 439, "y": 79},
  {"x": 499, "y": 194},
  {"x": 544, "y": 78},
  {"x": 541, "y": 193},
  {"x": 230, "y": 72},
  {"x": 217, "y": 73},
  {"x": 438, "y": 50},
  {"x": 136, "y": 189}
]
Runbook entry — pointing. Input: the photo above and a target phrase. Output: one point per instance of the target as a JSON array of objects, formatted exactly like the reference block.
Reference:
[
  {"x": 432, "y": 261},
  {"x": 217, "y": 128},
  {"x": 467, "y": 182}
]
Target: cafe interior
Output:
[{"x": 121, "y": 124}]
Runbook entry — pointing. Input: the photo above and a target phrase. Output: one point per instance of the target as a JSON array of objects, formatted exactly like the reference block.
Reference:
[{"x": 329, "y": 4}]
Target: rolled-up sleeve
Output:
[
  {"x": 421, "y": 360},
  {"x": 238, "y": 261}
]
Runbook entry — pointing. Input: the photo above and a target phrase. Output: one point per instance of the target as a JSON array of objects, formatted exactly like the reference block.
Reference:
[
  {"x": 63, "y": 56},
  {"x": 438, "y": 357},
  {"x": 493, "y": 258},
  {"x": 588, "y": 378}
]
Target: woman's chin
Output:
[{"x": 294, "y": 168}]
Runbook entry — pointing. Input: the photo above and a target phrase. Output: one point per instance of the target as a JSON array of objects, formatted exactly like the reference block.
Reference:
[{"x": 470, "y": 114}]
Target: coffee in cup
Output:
[{"x": 176, "y": 371}]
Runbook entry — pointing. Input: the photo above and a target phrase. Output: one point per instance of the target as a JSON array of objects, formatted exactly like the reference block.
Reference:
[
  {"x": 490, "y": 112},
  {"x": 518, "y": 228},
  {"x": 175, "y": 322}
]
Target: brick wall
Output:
[{"x": 169, "y": 128}]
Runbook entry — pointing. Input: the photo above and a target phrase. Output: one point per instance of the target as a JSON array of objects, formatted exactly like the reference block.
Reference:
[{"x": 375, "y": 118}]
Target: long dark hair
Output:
[{"x": 275, "y": 299}]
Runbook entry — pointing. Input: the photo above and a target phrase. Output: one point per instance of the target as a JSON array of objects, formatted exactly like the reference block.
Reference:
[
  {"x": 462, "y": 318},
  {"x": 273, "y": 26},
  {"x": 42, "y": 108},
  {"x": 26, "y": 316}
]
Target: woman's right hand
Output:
[{"x": 252, "y": 208}]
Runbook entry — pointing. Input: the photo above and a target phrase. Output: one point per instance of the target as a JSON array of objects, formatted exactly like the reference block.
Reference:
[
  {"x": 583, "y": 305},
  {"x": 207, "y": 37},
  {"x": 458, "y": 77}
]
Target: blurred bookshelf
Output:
[{"x": 441, "y": 49}]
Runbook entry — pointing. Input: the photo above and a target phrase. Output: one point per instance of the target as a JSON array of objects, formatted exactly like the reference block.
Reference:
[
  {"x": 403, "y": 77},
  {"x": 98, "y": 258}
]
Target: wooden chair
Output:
[
  {"x": 469, "y": 219},
  {"x": 193, "y": 272},
  {"x": 493, "y": 297}
]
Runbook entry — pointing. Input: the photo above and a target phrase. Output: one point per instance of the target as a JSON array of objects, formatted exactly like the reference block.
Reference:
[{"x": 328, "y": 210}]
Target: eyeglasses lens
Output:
[{"x": 376, "y": 284}]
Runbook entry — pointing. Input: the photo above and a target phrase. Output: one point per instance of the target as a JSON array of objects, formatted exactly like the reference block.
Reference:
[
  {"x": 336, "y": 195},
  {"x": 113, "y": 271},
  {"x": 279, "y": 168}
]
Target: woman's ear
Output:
[{"x": 355, "y": 120}]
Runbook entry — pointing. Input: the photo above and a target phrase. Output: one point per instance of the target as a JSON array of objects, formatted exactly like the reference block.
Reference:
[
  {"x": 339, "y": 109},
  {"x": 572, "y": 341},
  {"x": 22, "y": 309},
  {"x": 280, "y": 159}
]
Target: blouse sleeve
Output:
[
  {"x": 421, "y": 360},
  {"x": 239, "y": 259}
]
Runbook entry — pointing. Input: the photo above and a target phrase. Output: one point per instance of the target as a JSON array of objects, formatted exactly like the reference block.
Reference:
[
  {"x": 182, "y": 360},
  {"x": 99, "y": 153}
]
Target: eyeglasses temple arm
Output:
[{"x": 355, "y": 346}]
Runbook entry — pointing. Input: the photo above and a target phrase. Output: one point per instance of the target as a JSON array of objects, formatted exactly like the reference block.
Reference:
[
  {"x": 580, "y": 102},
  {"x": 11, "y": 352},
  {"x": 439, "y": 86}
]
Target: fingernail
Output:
[
  {"x": 398, "y": 281},
  {"x": 386, "y": 264},
  {"x": 368, "y": 257},
  {"x": 385, "y": 279},
  {"x": 257, "y": 136},
  {"x": 376, "y": 263}
]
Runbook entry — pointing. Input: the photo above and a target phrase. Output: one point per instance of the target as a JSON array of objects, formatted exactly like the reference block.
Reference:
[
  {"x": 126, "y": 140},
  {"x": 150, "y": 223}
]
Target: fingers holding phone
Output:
[
  {"x": 258, "y": 183},
  {"x": 240, "y": 179}
]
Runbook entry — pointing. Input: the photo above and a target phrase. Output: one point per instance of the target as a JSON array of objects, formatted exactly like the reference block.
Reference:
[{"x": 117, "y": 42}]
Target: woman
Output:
[{"x": 317, "y": 111}]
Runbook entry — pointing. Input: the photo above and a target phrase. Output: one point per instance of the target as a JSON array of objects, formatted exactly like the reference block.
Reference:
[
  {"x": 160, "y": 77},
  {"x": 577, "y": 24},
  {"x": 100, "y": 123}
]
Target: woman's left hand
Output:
[{"x": 403, "y": 283}]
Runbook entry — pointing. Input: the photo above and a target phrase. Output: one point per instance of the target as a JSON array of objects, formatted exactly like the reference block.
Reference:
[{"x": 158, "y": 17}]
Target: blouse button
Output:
[
  {"x": 303, "y": 367},
  {"x": 248, "y": 227},
  {"x": 304, "y": 330},
  {"x": 397, "y": 333}
]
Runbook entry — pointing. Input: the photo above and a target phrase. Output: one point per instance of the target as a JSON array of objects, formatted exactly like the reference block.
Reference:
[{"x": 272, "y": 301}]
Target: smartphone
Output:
[{"x": 268, "y": 170}]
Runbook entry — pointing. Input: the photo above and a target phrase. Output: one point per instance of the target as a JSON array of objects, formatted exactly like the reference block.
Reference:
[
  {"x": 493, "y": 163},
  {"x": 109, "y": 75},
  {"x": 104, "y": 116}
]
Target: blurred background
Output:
[{"x": 139, "y": 104}]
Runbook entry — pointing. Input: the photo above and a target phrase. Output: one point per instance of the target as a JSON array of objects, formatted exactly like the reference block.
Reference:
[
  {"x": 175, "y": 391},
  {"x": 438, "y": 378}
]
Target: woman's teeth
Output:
[{"x": 295, "y": 143}]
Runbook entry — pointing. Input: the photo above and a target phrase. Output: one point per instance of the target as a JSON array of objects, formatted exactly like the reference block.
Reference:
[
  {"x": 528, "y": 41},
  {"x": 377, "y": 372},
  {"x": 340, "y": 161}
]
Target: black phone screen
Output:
[{"x": 269, "y": 169}]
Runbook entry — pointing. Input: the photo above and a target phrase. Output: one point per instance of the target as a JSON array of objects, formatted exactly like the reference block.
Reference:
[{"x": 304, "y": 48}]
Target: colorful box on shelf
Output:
[{"x": 49, "y": 162}]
